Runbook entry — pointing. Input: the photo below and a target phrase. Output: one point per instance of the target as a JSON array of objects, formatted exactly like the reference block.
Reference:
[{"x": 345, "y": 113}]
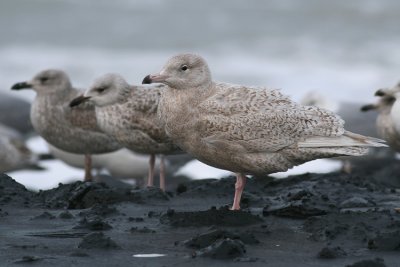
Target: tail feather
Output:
[{"x": 348, "y": 139}]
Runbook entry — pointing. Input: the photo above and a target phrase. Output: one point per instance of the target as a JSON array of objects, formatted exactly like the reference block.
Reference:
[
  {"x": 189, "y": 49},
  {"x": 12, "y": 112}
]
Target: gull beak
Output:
[
  {"x": 154, "y": 78},
  {"x": 21, "y": 85},
  {"x": 368, "y": 107},
  {"x": 79, "y": 100},
  {"x": 380, "y": 92}
]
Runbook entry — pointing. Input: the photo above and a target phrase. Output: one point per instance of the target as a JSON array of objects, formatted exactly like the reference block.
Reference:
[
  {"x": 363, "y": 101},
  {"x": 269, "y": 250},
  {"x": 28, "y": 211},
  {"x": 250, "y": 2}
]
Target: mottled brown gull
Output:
[
  {"x": 247, "y": 130},
  {"x": 129, "y": 113},
  {"x": 72, "y": 130}
]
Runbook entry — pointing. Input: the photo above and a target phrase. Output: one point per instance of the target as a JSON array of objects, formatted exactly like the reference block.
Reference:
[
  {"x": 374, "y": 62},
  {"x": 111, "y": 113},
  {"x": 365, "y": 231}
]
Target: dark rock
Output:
[
  {"x": 28, "y": 259},
  {"x": 97, "y": 241},
  {"x": 94, "y": 223},
  {"x": 206, "y": 239},
  {"x": 181, "y": 189},
  {"x": 299, "y": 194},
  {"x": 13, "y": 193},
  {"x": 245, "y": 259},
  {"x": 3, "y": 213},
  {"x": 378, "y": 262},
  {"x": 356, "y": 202},
  {"x": 294, "y": 210},
  {"x": 385, "y": 241},
  {"x": 102, "y": 210},
  {"x": 353, "y": 227},
  {"x": 135, "y": 219},
  {"x": 82, "y": 195},
  {"x": 223, "y": 249},
  {"x": 79, "y": 254},
  {"x": 65, "y": 215},
  {"x": 44, "y": 216},
  {"x": 331, "y": 253},
  {"x": 153, "y": 214},
  {"x": 210, "y": 217},
  {"x": 143, "y": 230}
]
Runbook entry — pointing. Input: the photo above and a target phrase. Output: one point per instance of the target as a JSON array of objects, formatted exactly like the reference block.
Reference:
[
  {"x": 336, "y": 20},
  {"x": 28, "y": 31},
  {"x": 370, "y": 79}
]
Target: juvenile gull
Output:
[
  {"x": 388, "y": 120},
  {"x": 14, "y": 154},
  {"x": 129, "y": 114},
  {"x": 247, "y": 130},
  {"x": 72, "y": 130}
]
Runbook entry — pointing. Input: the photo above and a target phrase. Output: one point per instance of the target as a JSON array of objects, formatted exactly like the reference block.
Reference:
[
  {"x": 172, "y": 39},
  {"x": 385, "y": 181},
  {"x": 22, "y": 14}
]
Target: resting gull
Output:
[
  {"x": 247, "y": 130},
  {"x": 14, "y": 154},
  {"x": 129, "y": 114},
  {"x": 14, "y": 113},
  {"x": 72, "y": 130}
]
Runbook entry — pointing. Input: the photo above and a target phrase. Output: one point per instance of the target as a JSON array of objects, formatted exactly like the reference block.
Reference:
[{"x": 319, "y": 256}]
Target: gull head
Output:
[
  {"x": 105, "y": 90},
  {"x": 46, "y": 81},
  {"x": 181, "y": 72},
  {"x": 387, "y": 97}
]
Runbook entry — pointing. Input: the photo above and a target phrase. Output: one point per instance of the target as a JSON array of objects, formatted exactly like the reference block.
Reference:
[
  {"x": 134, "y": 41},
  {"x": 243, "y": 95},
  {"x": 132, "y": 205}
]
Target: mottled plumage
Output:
[
  {"x": 247, "y": 130},
  {"x": 129, "y": 114},
  {"x": 72, "y": 130}
]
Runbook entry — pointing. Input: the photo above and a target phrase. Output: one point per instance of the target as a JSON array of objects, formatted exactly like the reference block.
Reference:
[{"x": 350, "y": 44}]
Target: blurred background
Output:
[{"x": 345, "y": 50}]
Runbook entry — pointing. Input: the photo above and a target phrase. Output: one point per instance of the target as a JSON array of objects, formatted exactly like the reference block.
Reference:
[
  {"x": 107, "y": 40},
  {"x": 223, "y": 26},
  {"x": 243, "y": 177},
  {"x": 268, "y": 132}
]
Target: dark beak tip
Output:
[
  {"x": 366, "y": 108},
  {"x": 147, "y": 80},
  {"x": 20, "y": 85},
  {"x": 379, "y": 93},
  {"x": 77, "y": 101}
]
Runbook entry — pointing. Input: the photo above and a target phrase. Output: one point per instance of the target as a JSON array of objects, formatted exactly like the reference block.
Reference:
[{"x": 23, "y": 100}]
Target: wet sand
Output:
[{"x": 330, "y": 219}]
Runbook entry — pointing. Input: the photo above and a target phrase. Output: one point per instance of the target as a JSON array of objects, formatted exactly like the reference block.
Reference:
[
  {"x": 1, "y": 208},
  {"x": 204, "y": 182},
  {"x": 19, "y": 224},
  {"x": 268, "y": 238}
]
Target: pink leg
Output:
[
  {"x": 150, "y": 179},
  {"x": 162, "y": 173},
  {"x": 88, "y": 168},
  {"x": 239, "y": 186}
]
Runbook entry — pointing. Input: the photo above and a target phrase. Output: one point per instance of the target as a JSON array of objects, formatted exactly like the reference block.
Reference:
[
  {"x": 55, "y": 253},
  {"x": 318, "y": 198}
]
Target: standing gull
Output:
[
  {"x": 72, "y": 130},
  {"x": 388, "y": 120},
  {"x": 129, "y": 114},
  {"x": 247, "y": 130}
]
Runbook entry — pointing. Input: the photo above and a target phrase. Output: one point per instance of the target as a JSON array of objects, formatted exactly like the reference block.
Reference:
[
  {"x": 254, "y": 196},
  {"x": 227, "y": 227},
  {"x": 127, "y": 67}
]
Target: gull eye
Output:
[
  {"x": 101, "y": 89},
  {"x": 184, "y": 67},
  {"x": 43, "y": 79}
]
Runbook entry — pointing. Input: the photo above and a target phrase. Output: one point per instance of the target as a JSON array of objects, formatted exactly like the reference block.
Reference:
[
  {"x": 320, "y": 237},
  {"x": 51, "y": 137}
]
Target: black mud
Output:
[{"x": 331, "y": 219}]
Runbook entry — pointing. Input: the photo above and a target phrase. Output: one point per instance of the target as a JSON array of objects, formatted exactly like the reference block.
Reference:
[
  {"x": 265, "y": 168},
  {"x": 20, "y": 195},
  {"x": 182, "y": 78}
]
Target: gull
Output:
[
  {"x": 129, "y": 114},
  {"x": 245, "y": 129},
  {"x": 72, "y": 130},
  {"x": 14, "y": 113},
  {"x": 14, "y": 154},
  {"x": 388, "y": 119}
]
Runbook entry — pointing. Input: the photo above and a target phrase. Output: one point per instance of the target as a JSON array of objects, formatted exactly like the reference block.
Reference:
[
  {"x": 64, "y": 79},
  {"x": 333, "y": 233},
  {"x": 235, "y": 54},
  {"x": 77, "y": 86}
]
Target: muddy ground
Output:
[{"x": 331, "y": 219}]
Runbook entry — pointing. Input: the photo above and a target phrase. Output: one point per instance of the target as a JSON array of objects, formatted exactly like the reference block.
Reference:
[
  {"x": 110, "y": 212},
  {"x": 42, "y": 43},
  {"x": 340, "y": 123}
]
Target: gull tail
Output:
[{"x": 350, "y": 144}]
